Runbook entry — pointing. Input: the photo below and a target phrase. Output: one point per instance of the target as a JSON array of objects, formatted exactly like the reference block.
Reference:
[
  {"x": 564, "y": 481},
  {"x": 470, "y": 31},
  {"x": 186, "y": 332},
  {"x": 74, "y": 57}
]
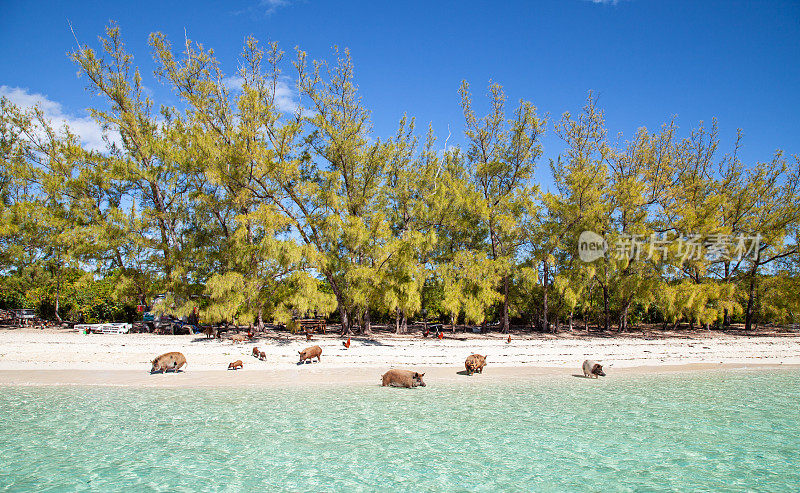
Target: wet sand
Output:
[{"x": 307, "y": 376}]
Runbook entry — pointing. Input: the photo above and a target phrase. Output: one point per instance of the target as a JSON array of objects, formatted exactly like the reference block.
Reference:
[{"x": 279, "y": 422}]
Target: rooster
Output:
[
  {"x": 308, "y": 336},
  {"x": 346, "y": 344},
  {"x": 427, "y": 333},
  {"x": 508, "y": 341},
  {"x": 440, "y": 335}
]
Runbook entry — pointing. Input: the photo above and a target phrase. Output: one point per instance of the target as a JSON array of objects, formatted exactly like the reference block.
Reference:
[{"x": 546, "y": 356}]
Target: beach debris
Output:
[
  {"x": 475, "y": 362},
  {"x": 402, "y": 378},
  {"x": 172, "y": 360},
  {"x": 347, "y": 343},
  {"x": 235, "y": 365},
  {"x": 310, "y": 352},
  {"x": 592, "y": 368}
]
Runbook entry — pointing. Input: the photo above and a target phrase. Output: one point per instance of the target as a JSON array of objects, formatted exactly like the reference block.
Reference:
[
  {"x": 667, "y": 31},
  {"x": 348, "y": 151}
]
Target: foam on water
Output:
[{"x": 727, "y": 430}]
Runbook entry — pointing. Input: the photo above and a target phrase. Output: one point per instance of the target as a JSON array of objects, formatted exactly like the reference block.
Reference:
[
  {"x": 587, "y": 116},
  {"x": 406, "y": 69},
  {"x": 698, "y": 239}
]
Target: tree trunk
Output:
[
  {"x": 344, "y": 317},
  {"x": 58, "y": 296},
  {"x": 397, "y": 320},
  {"x": 623, "y": 317},
  {"x": 606, "y": 312},
  {"x": 505, "y": 304},
  {"x": 545, "y": 326},
  {"x": 404, "y": 322},
  {"x": 260, "y": 319},
  {"x": 366, "y": 327},
  {"x": 726, "y": 317},
  {"x": 570, "y": 319},
  {"x": 748, "y": 316}
]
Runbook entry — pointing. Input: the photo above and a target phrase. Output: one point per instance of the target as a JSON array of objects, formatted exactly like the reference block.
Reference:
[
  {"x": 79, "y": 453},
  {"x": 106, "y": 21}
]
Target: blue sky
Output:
[{"x": 646, "y": 60}]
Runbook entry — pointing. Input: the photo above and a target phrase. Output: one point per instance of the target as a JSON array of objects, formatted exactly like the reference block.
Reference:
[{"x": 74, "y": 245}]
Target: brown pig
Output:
[
  {"x": 475, "y": 362},
  {"x": 236, "y": 365},
  {"x": 310, "y": 353},
  {"x": 402, "y": 378},
  {"x": 256, "y": 352},
  {"x": 168, "y": 361}
]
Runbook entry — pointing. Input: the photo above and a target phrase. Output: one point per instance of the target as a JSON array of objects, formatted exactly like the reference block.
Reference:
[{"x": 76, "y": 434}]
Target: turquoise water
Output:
[{"x": 713, "y": 431}]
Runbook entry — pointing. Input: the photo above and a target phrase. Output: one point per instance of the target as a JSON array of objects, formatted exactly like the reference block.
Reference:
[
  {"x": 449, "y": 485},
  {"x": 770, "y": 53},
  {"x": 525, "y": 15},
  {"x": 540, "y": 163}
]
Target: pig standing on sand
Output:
[
  {"x": 167, "y": 361},
  {"x": 310, "y": 352},
  {"x": 236, "y": 365},
  {"x": 592, "y": 368},
  {"x": 475, "y": 362},
  {"x": 402, "y": 378},
  {"x": 256, "y": 352}
]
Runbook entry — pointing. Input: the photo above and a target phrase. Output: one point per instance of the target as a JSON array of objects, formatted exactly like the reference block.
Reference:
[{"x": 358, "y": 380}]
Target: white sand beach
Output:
[{"x": 51, "y": 356}]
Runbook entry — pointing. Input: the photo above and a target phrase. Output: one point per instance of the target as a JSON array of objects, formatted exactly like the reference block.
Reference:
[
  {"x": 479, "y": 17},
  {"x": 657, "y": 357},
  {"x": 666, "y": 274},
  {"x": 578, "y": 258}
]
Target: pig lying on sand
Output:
[
  {"x": 592, "y": 368},
  {"x": 310, "y": 352},
  {"x": 475, "y": 362},
  {"x": 236, "y": 365},
  {"x": 402, "y": 378},
  {"x": 168, "y": 361}
]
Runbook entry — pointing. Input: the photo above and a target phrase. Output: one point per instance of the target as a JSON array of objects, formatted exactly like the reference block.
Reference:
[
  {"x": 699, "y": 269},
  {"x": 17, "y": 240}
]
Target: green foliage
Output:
[{"x": 249, "y": 209}]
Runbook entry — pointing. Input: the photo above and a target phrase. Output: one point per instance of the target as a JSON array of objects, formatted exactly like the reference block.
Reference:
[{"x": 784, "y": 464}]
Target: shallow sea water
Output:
[{"x": 736, "y": 430}]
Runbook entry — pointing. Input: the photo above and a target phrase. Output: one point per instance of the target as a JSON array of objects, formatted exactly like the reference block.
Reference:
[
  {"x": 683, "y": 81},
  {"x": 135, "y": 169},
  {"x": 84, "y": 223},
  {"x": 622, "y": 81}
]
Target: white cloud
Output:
[
  {"x": 86, "y": 128},
  {"x": 264, "y": 7},
  {"x": 270, "y": 6},
  {"x": 285, "y": 97},
  {"x": 233, "y": 83}
]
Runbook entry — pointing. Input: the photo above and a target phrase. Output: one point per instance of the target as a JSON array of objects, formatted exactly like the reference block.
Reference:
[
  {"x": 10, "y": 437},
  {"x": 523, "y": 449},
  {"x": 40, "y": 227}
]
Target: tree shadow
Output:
[
  {"x": 582, "y": 376},
  {"x": 204, "y": 339},
  {"x": 368, "y": 342},
  {"x": 464, "y": 372}
]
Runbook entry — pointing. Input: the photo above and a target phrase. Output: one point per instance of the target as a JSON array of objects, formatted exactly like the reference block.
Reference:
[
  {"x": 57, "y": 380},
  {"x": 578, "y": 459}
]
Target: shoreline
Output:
[
  {"x": 338, "y": 377},
  {"x": 52, "y": 357}
]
